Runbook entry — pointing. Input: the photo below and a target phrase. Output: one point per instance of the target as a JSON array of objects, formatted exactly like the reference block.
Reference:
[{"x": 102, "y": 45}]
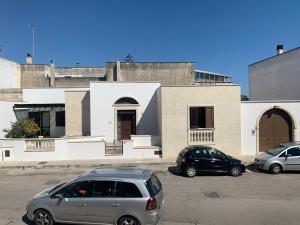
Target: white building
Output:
[{"x": 267, "y": 123}]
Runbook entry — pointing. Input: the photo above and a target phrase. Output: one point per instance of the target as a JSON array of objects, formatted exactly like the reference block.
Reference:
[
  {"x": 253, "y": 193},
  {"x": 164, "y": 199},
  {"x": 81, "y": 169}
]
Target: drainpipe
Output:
[{"x": 118, "y": 71}]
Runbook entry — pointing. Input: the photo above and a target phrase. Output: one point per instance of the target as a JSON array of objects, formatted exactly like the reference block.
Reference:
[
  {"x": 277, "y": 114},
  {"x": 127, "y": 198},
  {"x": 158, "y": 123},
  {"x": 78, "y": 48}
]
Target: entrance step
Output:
[{"x": 113, "y": 148}]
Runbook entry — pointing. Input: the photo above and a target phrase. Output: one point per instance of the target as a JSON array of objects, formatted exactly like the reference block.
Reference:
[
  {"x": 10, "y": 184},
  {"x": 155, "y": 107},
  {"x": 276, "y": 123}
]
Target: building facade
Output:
[
  {"x": 271, "y": 117},
  {"x": 276, "y": 78},
  {"x": 199, "y": 115},
  {"x": 268, "y": 123},
  {"x": 126, "y": 110}
]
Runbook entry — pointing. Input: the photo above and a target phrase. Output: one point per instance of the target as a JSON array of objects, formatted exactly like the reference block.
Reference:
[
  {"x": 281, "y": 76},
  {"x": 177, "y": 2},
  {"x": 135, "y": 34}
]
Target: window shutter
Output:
[
  {"x": 209, "y": 115},
  {"x": 193, "y": 117}
]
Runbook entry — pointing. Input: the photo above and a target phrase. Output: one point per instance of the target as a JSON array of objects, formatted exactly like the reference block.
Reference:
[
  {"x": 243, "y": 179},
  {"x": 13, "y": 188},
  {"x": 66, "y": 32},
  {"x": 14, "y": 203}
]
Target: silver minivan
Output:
[
  {"x": 118, "y": 196},
  {"x": 284, "y": 157}
]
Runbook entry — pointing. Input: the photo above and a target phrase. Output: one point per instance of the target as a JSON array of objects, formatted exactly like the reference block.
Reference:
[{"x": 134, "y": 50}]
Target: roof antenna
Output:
[
  {"x": 31, "y": 25},
  {"x": 1, "y": 49}
]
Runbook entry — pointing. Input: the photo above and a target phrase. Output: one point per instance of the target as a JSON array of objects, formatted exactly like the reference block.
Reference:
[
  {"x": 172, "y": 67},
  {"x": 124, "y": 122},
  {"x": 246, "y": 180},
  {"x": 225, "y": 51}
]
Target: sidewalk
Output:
[
  {"x": 87, "y": 163},
  {"x": 151, "y": 163}
]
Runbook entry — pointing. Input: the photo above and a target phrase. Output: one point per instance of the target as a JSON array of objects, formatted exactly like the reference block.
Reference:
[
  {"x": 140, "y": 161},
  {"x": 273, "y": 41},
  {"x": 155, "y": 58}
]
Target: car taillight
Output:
[{"x": 151, "y": 204}]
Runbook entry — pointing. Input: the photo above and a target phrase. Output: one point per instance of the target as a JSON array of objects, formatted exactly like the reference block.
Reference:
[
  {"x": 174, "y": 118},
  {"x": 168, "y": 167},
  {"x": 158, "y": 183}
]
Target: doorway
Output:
[
  {"x": 43, "y": 121},
  {"x": 275, "y": 127},
  {"x": 126, "y": 124}
]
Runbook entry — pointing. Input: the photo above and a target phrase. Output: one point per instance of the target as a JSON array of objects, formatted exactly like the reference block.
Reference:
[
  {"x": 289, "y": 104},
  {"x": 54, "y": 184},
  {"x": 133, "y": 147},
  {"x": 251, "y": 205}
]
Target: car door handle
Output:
[
  {"x": 212, "y": 160},
  {"x": 115, "y": 205},
  {"x": 81, "y": 204},
  {"x": 196, "y": 160}
]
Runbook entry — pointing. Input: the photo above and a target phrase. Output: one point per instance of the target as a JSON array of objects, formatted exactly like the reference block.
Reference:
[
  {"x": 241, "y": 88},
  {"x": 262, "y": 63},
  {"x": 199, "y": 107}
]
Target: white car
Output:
[{"x": 285, "y": 157}]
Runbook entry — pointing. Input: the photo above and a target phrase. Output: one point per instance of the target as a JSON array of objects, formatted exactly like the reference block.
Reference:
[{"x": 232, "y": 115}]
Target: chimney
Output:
[
  {"x": 28, "y": 59},
  {"x": 280, "y": 49},
  {"x": 118, "y": 71},
  {"x": 52, "y": 73}
]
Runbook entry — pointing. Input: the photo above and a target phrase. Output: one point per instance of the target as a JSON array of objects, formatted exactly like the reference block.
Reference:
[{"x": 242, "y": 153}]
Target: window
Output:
[
  {"x": 42, "y": 119},
  {"x": 126, "y": 100},
  {"x": 104, "y": 189},
  {"x": 79, "y": 190},
  {"x": 6, "y": 153},
  {"x": 294, "y": 151},
  {"x": 201, "y": 153},
  {"x": 283, "y": 154},
  {"x": 201, "y": 117},
  {"x": 60, "y": 118},
  {"x": 153, "y": 185},
  {"x": 56, "y": 187},
  {"x": 127, "y": 190},
  {"x": 217, "y": 154}
]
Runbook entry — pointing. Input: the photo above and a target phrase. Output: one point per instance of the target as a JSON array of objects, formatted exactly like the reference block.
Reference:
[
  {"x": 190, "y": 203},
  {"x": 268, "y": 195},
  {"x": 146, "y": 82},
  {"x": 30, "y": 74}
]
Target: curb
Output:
[
  {"x": 38, "y": 166},
  {"x": 153, "y": 166}
]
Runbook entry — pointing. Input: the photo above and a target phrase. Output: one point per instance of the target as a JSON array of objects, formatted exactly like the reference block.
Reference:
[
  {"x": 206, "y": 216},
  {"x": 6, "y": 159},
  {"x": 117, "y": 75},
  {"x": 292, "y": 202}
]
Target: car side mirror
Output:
[
  {"x": 288, "y": 155},
  {"x": 58, "y": 195}
]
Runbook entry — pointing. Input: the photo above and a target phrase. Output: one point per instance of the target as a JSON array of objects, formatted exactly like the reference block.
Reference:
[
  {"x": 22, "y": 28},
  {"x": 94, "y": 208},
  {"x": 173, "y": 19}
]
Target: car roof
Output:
[
  {"x": 198, "y": 147},
  {"x": 118, "y": 173},
  {"x": 290, "y": 144}
]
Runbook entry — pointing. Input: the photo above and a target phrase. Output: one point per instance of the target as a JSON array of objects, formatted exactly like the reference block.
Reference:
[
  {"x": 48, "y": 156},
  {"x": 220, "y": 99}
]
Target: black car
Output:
[{"x": 192, "y": 160}]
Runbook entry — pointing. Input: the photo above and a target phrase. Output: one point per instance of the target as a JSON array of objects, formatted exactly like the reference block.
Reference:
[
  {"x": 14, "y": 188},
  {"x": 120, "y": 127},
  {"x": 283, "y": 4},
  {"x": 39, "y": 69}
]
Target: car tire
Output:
[
  {"x": 190, "y": 171},
  {"x": 125, "y": 220},
  {"x": 235, "y": 171},
  {"x": 42, "y": 217},
  {"x": 275, "y": 168}
]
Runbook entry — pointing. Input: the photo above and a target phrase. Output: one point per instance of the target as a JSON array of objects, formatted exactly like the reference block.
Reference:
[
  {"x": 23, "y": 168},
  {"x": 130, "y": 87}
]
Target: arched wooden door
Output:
[{"x": 275, "y": 127}]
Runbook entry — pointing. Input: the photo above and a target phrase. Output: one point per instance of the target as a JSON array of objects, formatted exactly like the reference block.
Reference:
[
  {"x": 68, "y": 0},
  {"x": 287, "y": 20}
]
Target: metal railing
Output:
[{"x": 201, "y": 136}]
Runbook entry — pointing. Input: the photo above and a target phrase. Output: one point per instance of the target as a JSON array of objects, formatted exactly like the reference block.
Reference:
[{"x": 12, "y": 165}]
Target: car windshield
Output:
[
  {"x": 183, "y": 152},
  {"x": 56, "y": 187},
  {"x": 276, "y": 150}
]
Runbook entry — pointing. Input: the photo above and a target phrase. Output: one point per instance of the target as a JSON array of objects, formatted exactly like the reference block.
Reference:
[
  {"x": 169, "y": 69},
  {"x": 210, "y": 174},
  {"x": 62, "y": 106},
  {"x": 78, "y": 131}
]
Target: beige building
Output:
[
  {"x": 77, "y": 112},
  {"x": 199, "y": 115},
  {"x": 174, "y": 116},
  {"x": 148, "y": 107}
]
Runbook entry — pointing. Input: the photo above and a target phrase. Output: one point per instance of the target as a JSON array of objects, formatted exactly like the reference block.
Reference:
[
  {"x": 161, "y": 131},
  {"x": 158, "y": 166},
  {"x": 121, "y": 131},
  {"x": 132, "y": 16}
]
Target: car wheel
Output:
[
  {"x": 191, "y": 171},
  {"x": 235, "y": 171},
  {"x": 128, "y": 220},
  {"x": 275, "y": 168},
  {"x": 42, "y": 217}
]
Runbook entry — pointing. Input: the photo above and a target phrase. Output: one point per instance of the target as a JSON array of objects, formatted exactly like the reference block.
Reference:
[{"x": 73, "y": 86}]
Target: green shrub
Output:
[{"x": 25, "y": 128}]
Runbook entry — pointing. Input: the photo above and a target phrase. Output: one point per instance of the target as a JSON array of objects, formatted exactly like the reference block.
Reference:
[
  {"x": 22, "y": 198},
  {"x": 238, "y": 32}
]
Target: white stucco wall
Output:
[
  {"x": 250, "y": 115},
  {"x": 7, "y": 116},
  {"x": 46, "y": 95},
  {"x": 65, "y": 149},
  {"x": 85, "y": 148},
  {"x": 10, "y": 74},
  {"x": 104, "y": 95}
]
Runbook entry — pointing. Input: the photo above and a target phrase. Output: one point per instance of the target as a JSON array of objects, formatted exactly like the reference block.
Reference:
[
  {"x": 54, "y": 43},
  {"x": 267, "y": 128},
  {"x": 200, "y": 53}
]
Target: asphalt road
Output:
[{"x": 251, "y": 199}]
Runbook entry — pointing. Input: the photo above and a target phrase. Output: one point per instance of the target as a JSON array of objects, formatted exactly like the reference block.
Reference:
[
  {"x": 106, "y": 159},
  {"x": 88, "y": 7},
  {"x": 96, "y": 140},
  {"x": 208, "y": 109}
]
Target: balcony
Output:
[
  {"x": 39, "y": 145},
  {"x": 201, "y": 136}
]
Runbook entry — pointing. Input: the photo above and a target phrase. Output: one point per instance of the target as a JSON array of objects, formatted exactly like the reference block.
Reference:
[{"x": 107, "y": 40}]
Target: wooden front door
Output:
[
  {"x": 275, "y": 127},
  {"x": 126, "y": 124}
]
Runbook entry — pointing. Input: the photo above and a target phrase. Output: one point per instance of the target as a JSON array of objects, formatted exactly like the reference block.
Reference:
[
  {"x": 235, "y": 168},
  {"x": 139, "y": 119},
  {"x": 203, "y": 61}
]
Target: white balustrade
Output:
[
  {"x": 201, "y": 136},
  {"x": 39, "y": 145}
]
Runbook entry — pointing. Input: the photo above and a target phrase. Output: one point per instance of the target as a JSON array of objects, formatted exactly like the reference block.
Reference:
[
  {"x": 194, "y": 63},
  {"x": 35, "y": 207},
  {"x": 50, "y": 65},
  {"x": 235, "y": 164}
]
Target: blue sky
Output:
[{"x": 222, "y": 36}]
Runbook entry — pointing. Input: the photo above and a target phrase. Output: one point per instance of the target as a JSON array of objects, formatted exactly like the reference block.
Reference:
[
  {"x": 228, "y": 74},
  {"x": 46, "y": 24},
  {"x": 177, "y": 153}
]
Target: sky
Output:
[{"x": 223, "y": 36}]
